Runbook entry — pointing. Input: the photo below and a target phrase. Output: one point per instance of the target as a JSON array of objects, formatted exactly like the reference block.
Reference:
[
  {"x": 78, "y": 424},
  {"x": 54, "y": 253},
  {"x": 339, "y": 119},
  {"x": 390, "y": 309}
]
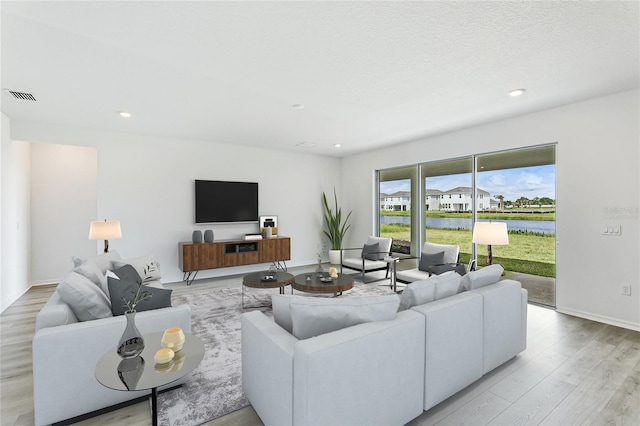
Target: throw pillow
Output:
[
  {"x": 428, "y": 260},
  {"x": 104, "y": 261},
  {"x": 446, "y": 285},
  {"x": 440, "y": 269},
  {"x": 128, "y": 273},
  {"x": 90, "y": 270},
  {"x": 314, "y": 316},
  {"x": 84, "y": 298},
  {"x": 146, "y": 266},
  {"x": 105, "y": 287},
  {"x": 482, "y": 277},
  {"x": 417, "y": 293},
  {"x": 370, "y": 251},
  {"x": 119, "y": 289}
]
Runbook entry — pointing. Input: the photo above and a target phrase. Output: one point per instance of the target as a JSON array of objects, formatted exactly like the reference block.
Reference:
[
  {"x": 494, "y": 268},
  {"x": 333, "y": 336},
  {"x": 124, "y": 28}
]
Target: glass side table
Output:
[{"x": 142, "y": 372}]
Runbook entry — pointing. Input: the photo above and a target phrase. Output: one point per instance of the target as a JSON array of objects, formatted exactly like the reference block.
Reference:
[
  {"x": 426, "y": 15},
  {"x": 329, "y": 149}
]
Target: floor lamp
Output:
[
  {"x": 490, "y": 233},
  {"x": 105, "y": 230}
]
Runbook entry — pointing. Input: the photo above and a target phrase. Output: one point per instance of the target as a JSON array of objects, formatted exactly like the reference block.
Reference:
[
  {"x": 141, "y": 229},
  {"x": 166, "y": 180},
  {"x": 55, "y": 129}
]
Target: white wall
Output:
[
  {"x": 63, "y": 203},
  {"x": 14, "y": 214},
  {"x": 598, "y": 183},
  {"x": 148, "y": 184}
]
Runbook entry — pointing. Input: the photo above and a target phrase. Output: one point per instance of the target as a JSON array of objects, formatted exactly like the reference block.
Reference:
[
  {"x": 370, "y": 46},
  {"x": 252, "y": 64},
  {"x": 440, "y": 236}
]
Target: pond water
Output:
[{"x": 544, "y": 227}]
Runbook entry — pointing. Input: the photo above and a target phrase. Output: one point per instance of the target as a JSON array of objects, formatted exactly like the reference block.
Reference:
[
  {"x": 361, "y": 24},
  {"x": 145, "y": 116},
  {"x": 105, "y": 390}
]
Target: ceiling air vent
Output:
[{"x": 22, "y": 95}]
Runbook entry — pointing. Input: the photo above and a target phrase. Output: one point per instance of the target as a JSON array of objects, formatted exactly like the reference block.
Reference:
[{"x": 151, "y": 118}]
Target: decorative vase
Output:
[
  {"x": 208, "y": 236},
  {"x": 173, "y": 338},
  {"x": 196, "y": 237},
  {"x": 131, "y": 343},
  {"x": 319, "y": 270}
]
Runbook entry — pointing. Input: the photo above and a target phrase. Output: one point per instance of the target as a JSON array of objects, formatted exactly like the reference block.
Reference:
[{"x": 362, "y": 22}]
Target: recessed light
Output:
[
  {"x": 516, "y": 92},
  {"x": 298, "y": 106},
  {"x": 337, "y": 145},
  {"x": 125, "y": 114}
]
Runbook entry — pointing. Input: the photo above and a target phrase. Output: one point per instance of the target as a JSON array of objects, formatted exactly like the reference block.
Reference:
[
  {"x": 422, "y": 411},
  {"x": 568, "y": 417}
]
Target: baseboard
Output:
[
  {"x": 600, "y": 318},
  {"x": 8, "y": 302}
]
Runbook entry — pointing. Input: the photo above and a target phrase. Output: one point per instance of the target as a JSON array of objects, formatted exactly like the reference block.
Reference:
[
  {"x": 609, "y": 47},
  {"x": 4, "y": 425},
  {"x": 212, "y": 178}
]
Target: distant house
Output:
[
  {"x": 454, "y": 200},
  {"x": 397, "y": 202}
]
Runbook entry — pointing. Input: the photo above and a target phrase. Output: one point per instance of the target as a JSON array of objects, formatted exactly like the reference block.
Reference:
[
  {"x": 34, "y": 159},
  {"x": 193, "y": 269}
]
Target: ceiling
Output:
[{"x": 369, "y": 74}]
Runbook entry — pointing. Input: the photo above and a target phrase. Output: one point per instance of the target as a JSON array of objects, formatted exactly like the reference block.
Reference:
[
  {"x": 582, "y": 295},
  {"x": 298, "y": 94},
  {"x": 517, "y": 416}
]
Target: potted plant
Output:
[{"x": 336, "y": 228}]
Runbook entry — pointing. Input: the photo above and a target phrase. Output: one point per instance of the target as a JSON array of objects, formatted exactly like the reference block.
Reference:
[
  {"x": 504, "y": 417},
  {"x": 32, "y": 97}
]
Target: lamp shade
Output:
[
  {"x": 491, "y": 233},
  {"x": 105, "y": 230}
]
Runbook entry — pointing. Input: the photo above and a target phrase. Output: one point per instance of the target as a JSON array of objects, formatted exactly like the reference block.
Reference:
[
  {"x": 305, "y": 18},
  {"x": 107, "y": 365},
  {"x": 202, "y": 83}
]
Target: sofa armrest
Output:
[
  {"x": 55, "y": 312},
  {"x": 64, "y": 360},
  {"x": 504, "y": 321},
  {"x": 267, "y": 368},
  {"x": 363, "y": 359}
]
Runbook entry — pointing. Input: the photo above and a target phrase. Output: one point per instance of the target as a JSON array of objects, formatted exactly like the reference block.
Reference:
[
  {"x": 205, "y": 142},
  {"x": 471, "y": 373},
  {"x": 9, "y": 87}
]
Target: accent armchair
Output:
[
  {"x": 371, "y": 258},
  {"x": 434, "y": 259}
]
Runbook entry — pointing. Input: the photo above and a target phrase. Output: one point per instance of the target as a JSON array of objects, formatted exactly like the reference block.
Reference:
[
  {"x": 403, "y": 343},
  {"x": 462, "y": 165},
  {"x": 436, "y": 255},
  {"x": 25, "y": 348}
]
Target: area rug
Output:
[{"x": 215, "y": 388}]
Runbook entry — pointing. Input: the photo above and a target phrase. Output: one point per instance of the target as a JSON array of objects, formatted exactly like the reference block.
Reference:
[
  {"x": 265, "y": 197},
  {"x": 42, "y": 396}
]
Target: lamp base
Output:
[{"x": 106, "y": 246}]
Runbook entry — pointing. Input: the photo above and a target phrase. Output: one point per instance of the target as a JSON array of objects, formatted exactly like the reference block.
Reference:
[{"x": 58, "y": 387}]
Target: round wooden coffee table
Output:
[
  {"x": 257, "y": 280},
  {"x": 313, "y": 284}
]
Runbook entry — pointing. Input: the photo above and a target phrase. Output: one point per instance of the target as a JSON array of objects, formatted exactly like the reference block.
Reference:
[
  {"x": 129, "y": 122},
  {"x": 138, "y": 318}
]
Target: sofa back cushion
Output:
[
  {"x": 417, "y": 293},
  {"x": 86, "y": 300},
  {"x": 447, "y": 284},
  {"x": 482, "y": 277},
  {"x": 306, "y": 317},
  {"x": 103, "y": 261},
  {"x": 92, "y": 271}
]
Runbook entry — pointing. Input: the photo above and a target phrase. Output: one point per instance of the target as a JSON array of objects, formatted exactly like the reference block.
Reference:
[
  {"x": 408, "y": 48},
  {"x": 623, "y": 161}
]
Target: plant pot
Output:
[{"x": 334, "y": 257}]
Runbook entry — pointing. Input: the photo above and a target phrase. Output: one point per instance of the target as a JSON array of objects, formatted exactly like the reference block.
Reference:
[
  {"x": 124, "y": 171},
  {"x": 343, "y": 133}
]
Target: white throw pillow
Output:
[
  {"x": 146, "y": 266},
  {"x": 104, "y": 261},
  {"x": 447, "y": 284},
  {"x": 418, "y": 293},
  {"x": 482, "y": 277},
  {"x": 90, "y": 270},
  {"x": 85, "y": 299},
  {"x": 312, "y": 316}
]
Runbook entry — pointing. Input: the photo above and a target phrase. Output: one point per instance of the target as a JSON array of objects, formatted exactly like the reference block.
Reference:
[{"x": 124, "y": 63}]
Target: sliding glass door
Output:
[
  {"x": 448, "y": 203},
  {"x": 397, "y": 207}
]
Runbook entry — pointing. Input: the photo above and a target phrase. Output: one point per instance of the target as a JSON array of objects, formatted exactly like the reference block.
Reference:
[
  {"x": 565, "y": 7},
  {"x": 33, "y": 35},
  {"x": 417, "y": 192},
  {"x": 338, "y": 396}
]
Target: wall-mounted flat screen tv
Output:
[{"x": 221, "y": 201}]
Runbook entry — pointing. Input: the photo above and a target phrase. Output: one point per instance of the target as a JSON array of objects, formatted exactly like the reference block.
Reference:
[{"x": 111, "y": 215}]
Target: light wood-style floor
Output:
[{"x": 574, "y": 372}]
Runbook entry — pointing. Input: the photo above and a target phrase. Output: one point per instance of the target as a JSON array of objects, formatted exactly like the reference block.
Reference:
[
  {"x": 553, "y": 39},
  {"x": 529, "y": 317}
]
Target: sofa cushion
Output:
[
  {"x": 428, "y": 260},
  {"x": 90, "y": 270},
  {"x": 122, "y": 289},
  {"x": 128, "y": 273},
  {"x": 146, "y": 266},
  {"x": 446, "y": 285},
  {"x": 86, "y": 300},
  {"x": 104, "y": 261},
  {"x": 417, "y": 293},
  {"x": 482, "y": 277},
  {"x": 313, "y": 316},
  {"x": 370, "y": 251}
]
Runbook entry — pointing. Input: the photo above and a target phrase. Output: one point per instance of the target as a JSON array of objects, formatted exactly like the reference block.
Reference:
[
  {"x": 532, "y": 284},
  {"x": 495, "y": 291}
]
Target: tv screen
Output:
[{"x": 220, "y": 201}]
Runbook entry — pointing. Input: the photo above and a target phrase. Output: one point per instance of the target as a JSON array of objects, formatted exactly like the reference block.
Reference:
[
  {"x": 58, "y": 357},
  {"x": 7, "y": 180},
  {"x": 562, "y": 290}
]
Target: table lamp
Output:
[
  {"x": 105, "y": 230},
  {"x": 490, "y": 233}
]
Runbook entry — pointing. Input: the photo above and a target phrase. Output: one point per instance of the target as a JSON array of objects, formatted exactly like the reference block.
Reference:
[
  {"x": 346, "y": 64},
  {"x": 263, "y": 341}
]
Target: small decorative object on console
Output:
[
  {"x": 196, "y": 237},
  {"x": 208, "y": 236}
]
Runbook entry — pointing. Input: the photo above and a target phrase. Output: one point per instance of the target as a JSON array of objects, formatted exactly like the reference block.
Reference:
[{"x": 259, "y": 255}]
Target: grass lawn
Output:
[{"x": 531, "y": 254}]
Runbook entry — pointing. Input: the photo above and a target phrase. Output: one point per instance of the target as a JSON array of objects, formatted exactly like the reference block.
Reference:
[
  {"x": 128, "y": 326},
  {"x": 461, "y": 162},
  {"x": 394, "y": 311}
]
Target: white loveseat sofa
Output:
[
  {"x": 384, "y": 372},
  {"x": 66, "y": 351}
]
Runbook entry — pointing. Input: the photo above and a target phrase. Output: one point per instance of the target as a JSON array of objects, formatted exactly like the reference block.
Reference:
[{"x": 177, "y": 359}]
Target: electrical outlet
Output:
[{"x": 626, "y": 290}]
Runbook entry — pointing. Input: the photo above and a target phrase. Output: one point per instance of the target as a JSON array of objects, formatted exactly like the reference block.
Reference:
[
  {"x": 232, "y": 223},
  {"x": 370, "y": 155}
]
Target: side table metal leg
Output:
[{"x": 154, "y": 406}]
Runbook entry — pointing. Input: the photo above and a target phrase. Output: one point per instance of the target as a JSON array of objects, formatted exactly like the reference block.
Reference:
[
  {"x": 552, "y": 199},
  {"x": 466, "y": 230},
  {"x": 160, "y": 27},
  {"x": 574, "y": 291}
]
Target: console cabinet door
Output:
[
  {"x": 200, "y": 256},
  {"x": 273, "y": 250}
]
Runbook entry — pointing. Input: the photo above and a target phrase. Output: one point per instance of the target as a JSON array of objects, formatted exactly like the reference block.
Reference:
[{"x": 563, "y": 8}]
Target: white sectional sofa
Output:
[
  {"x": 66, "y": 351},
  {"x": 385, "y": 372}
]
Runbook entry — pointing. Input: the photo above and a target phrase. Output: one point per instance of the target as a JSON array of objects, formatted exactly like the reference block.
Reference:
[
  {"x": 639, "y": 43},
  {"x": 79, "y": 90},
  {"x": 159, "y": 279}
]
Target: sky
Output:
[{"x": 530, "y": 182}]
